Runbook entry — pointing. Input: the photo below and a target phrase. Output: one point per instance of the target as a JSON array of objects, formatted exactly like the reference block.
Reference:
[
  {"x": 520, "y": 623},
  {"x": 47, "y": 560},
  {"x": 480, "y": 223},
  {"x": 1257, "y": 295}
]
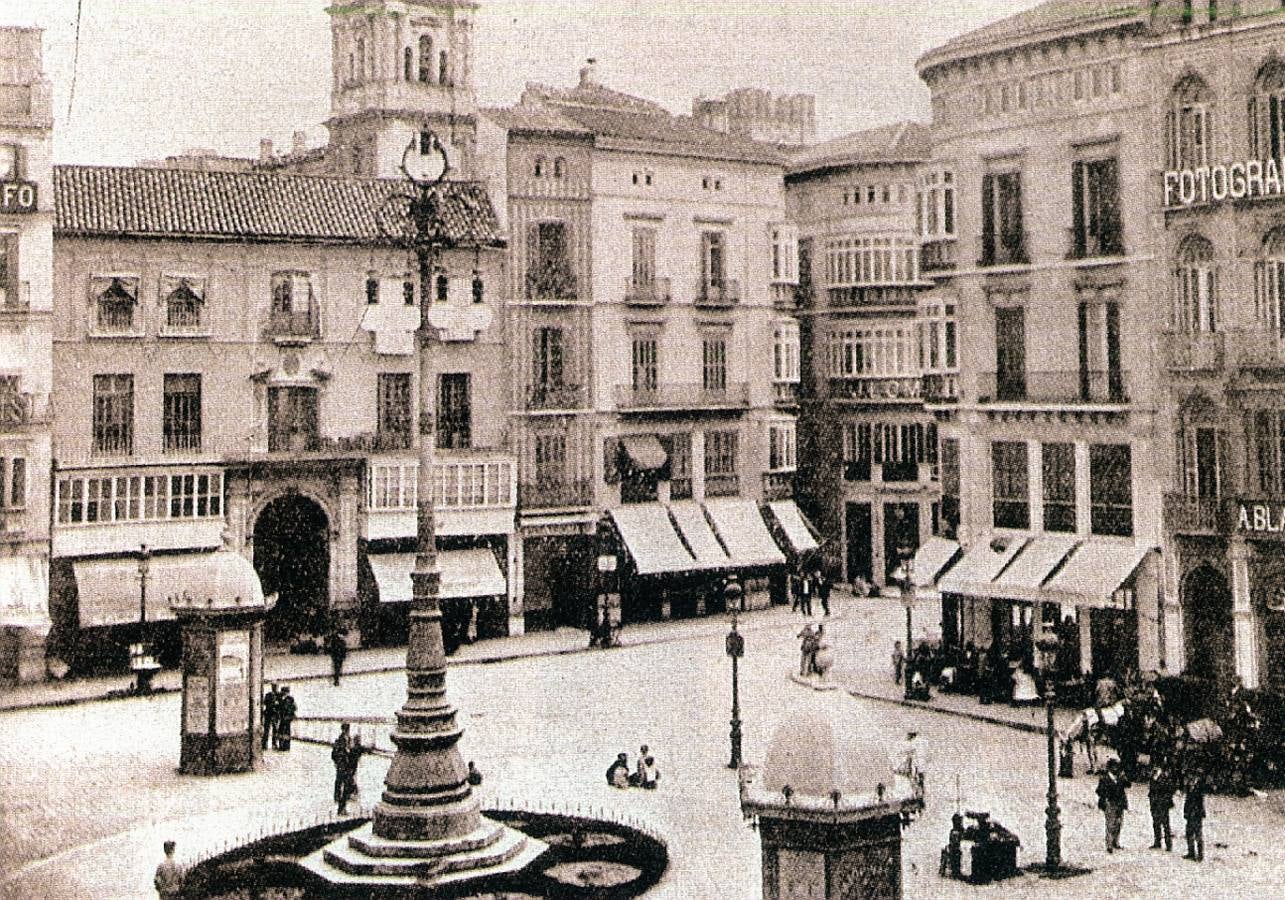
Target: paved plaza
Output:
[{"x": 91, "y": 790}]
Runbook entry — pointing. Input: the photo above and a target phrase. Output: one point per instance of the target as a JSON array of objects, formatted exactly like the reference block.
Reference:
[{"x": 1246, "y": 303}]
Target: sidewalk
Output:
[{"x": 289, "y": 667}]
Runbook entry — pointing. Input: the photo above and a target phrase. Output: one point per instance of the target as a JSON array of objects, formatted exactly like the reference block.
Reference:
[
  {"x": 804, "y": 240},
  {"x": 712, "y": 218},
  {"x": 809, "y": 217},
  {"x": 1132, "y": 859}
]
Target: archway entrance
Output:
[
  {"x": 1207, "y": 626},
  {"x": 292, "y": 557}
]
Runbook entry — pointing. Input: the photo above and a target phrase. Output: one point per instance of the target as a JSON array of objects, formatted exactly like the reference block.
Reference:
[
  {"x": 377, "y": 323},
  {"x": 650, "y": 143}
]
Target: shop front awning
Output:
[
  {"x": 933, "y": 555},
  {"x": 24, "y": 592},
  {"x": 644, "y": 451},
  {"x": 472, "y": 572},
  {"x": 699, "y": 536},
  {"x": 651, "y": 540},
  {"x": 980, "y": 565},
  {"x": 741, "y": 527},
  {"x": 1024, "y": 577},
  {"x": 795, "y": 527},
  {"x": 109, "y": 590},
  {"x": 1093, "y": 574}
]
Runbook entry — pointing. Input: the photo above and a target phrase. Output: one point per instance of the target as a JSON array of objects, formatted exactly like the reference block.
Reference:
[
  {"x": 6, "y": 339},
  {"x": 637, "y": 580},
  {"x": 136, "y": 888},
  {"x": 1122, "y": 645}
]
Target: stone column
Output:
[
  {"x": 343, "y": 547},
  {"x": 1171, "y": 602},
  {"x": 1243, "y": 626}
]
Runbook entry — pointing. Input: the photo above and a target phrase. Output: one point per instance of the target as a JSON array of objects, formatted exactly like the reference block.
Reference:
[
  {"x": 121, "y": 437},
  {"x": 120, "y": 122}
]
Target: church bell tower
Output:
[{"x": 400, "y": 68}]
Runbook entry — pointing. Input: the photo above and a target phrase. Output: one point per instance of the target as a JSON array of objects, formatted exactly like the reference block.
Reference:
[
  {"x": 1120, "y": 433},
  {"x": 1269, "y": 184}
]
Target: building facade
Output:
[
  {"x": 26, "y": 364},
  {"x": 868, "y": 463},
  {"x": 1042, "y": 128}
]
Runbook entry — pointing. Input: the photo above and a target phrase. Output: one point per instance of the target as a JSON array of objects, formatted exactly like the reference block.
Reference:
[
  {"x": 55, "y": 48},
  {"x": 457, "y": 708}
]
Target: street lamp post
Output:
[
  {"x": 1052, "y": 814},
  {"x": 732, "y": 594},
  {"x": 140, "y": 659},
  {"x": 905, "y": 572}
]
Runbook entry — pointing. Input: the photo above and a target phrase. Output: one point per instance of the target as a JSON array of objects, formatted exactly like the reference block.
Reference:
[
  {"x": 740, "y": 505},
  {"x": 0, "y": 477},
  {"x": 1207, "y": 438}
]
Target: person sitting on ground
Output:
[
  {"x": 648, "y": 774},
  {"x": 635, "y": 779},
  {"x": 618, "y": 772},
  {"x": 474, "y": 776}
]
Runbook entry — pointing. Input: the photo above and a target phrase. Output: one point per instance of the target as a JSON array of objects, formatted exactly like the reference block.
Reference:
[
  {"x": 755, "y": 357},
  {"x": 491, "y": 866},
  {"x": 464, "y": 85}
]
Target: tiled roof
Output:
[
  {"x": 1047, "y": 16},
  {"x": 898, "y": 142},
  {"x": 144, "y": 202},
  {"x": 535, "y": 118},
  {"x": 590, "y": 93},
  {"x": 678, "y": 134}
]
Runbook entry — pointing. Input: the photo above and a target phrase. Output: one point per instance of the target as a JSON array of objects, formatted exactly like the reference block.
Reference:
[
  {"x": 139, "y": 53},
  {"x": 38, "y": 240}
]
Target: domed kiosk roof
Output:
[
  {"x": 828, "y": 758},
  {"x": 221, "y": 581}
]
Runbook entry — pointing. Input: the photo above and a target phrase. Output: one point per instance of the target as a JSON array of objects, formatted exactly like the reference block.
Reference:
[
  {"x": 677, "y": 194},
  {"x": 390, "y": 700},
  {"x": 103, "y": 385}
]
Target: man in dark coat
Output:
[
  {"x": 1160, "y": 791},
  {"x": 339, "y": 753},
  {"x": 1113, "y": 800},
  {"x": 286, "y": 711},
  {"x": 337, "y": 648},
  {"x": 823, "y": 591},
  {"x": 271, "y": 707},
  {"x": 1193, "y": 810}
]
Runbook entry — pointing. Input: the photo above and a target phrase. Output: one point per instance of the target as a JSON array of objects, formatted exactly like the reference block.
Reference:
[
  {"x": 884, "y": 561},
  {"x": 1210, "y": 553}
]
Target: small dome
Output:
[{"x": 223, "y": 579}]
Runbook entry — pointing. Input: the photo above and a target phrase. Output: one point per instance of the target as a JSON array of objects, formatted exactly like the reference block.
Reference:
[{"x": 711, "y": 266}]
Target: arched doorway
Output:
[
  {"x": 292, "y": 557},
  {"x": 1207, "y": 625}
]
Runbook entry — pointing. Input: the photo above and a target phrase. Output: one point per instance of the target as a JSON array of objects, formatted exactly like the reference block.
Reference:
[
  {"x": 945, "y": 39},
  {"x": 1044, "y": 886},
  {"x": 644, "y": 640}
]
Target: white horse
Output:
[{"x": 1091, "y": 727}]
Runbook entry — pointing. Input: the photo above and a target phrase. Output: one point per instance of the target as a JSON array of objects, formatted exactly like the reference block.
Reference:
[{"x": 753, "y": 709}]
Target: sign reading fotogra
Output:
[
  {"x": 1253, "y": 178},
  {"x": 17, "y": 196}
]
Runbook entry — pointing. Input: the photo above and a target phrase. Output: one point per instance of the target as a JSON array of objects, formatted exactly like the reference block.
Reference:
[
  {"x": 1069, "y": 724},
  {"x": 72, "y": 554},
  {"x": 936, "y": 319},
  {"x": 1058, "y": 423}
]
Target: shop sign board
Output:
[
  {"x": 1234, "y": 181},
  {"x": 1260, "y": 518},
  {"x": 17, "y": 196}
]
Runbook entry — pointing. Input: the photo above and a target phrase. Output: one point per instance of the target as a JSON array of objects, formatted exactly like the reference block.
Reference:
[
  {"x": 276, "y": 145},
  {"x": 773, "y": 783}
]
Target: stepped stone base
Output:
[{"x": 362, "y": 858}]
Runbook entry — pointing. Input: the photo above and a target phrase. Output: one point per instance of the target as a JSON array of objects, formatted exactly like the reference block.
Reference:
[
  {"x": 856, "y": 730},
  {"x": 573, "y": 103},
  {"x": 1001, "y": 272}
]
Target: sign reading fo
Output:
[
  {"x": 1253, "y": 178},
  {"x": 17, "y": 196},
  {"x": 1259, "y": 517}
]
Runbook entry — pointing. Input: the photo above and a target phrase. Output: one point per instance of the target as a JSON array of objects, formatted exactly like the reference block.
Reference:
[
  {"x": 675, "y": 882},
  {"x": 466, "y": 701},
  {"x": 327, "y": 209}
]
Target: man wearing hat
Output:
[{"x": 1113, "y": 800}]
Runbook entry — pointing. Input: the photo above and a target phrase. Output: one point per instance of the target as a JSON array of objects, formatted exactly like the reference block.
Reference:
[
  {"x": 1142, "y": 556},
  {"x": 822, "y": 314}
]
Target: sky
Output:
[{"x": 156, "y": 77}]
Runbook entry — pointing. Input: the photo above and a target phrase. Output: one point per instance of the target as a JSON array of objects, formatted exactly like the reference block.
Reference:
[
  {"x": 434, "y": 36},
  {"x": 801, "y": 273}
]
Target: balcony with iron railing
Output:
[
  {"x": 1002, "y": 249},
  {"x": 17, "y": 410},
  {"x": 1081, "y": 244},
  {"x": 546, "y": 397},
  {"x": 294, "y": 325},
  {"x": 687, "y": 397},
  {"x": 1193, "y": 351},
  {"x": 778, "y": 485},
  {"x": 722, "y": 485},
  {"x": 787, "y": 297},
  {"x": 717, "y": 291},
  {"x": 1075, "y": 387},
  {"x": 785, "y": 393},
  {"x": 555, "y": 493},
  {"x": 937, "y": 256},
  {"x": 551, "y": 284},
  {"x": 1260, "y": 349},
  {"x": 15, "y": 299},
  {"x": 647, "y": 291},
  {"x": 940, "y": 387},
  {"x": 877, "y": 388},
  {"x": 1185, "y": 514}
]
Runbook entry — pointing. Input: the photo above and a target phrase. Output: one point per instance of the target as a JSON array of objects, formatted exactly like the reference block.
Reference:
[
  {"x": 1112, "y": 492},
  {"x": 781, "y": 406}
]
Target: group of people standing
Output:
[
  {"x": 1113, "y": 800},
  {"x": 806, "y": 585},
  {"x": 278, "y": 715},
  {"x": 812, "y": 643},
  {"x": 645, "y": 776}
]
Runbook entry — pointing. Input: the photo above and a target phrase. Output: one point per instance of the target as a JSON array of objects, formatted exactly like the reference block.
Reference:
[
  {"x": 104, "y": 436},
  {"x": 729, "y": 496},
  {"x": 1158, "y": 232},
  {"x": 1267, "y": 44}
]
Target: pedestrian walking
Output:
[
  {"x": 807, "y": 650},
  {"x": 1193, "y": 811},
  {"x": 339, "y": 753},
  {"x": 1160, "y": 791},
  {"x": 805, "y": 593},
  {"x": 286, "y": 711},
  {"x": 268, "y": 714},
  {"x": 823, "y": 592},
  {"x": 898, "y": 662},
  {"x": 1113, "y": 800},
  {"x": 337, "y": 648},
  {"x": 796, "y": 592},
  {"x": 169, "y": 877}
]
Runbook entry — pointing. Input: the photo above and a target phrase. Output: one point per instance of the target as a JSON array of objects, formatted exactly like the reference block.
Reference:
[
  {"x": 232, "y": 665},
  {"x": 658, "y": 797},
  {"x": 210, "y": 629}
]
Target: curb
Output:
[{"x": 957, "y": 713}]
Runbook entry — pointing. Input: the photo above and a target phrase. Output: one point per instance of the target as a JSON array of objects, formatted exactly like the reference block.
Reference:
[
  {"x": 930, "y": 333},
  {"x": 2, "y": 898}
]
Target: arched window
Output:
[
  {"x": 538, "y": 169},
  {"x": 1195, "y": 287},
  {"x": 1267, "y": 113},
  {"x": 559, "y": 167},
  {"x": 408, "y": 64},
  {"x": 426, "y": 59},
  {"x": 1190, "y": 121},
  {"x": 1269, "y": 284},
  {"x": 443, "y": 70}
]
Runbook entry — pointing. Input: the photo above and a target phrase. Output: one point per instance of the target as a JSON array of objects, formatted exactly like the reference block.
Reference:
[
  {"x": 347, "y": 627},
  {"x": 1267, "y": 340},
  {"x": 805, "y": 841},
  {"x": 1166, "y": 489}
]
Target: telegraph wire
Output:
[{"x": 75, "y": 59}]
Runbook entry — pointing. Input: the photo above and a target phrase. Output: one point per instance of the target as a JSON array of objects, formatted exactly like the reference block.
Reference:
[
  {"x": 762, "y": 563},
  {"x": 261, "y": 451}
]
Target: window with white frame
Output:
[
  {"x": 13, "y": 482},
  {"x": 1267, "y": 113},
  {"x": 785, "y": 351},
  {"x": 714, "y": 362},
  {"x": 100, "y": 499},
  {"x": 1190, "y": 124},
  {"x": 781, "y": 447},
  {"x": 720, "y": 458},
  {"x": 184, "y": 301},
  {"x": 785, "y": 254},
  {"x": 1195, "y": 286},
  {"x": 877, "y": 351},
  {"x": 938, "y": 338},
  {"x": 115, "y": 303},
  {"x": 1269, "y": 284},
  {"x": 862, "y": 261},
  {"x": 936, "y": 211},
  {"x": 113, "y": 414}
]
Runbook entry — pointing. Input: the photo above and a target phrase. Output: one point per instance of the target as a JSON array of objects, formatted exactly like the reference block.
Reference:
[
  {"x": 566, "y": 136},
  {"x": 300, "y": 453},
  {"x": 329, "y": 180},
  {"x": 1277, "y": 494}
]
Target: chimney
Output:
[
  {"x": 298, "y": 142},
  {"x": 265, "y": 150},
  {"x": 589, "y": 73}
]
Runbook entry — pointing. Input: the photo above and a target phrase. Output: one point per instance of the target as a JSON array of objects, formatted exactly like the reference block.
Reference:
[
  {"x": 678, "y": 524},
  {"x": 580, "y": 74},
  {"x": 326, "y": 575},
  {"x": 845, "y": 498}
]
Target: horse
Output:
[{"x": 1090, "y": 727}]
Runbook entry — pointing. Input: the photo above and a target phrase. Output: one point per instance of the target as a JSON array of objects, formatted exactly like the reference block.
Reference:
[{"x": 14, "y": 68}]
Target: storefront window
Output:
[{"x": 1111, "y": 489}]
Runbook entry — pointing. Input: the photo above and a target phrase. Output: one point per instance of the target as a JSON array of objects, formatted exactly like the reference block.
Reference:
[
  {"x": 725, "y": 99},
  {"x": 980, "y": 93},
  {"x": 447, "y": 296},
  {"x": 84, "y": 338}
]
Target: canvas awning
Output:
[
  {"x": 472, "y": 572},
  {"x": 930, "y": 559},
  {"x": 744, "y": 533},
  {"x": 981, "y": 563},
  {"x": 797, "y": 532},
  {"x": 109, "y": 590},
  {"x": 651, "y": 540},
  {"x": 699, "y": 536},
  {"x": 1094, "y": 572},
  {"x": 24, "y": 591},
  {"x": 1024, "y": 577},
  {"x": 644, "y": 451}
]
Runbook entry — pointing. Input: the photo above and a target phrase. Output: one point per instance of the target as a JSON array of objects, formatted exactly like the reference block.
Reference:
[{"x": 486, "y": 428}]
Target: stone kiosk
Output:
[
  {"x": 222, "y": 622},
  {"x": 829, "y": 808}
]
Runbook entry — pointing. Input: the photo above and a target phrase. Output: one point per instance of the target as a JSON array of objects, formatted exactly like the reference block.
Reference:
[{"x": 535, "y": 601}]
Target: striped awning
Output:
[
  {"x": 931, "y": 558},
  {"x": 1093, "y": 574},
  {"x": 981, "y": 564},
  {"x": 472, "y": 572},
  {"x": 796, "y": 529},
  {"x": 699, "y": 536},
  {"x": 110, "y": 590},
  {"x": 741, "y": 527},
  {"x": 1024, "y": 577},
  {"x": 651, "y": 540}
]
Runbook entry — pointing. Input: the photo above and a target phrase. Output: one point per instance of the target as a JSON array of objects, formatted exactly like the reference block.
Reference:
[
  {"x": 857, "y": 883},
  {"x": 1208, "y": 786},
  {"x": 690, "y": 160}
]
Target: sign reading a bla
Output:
[{"x": 17, "y": 196}]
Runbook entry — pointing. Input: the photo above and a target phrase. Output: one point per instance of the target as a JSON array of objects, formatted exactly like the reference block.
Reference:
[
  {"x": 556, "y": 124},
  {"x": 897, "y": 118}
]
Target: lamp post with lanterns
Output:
[
  {"x": 905, "y": 574},
  {"x": 141, "y": 660},
  {"x": 1048, "y": 645},
  {"x": 733, "y": 594}
]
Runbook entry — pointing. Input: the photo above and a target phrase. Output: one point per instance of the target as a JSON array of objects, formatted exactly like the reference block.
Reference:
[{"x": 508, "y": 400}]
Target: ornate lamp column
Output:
[{"x": 733, "y": 593}]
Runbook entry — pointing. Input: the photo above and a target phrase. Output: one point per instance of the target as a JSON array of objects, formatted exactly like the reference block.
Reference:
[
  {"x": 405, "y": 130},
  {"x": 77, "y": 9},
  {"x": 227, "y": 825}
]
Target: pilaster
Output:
[{"x": 1244, "y": 631}]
